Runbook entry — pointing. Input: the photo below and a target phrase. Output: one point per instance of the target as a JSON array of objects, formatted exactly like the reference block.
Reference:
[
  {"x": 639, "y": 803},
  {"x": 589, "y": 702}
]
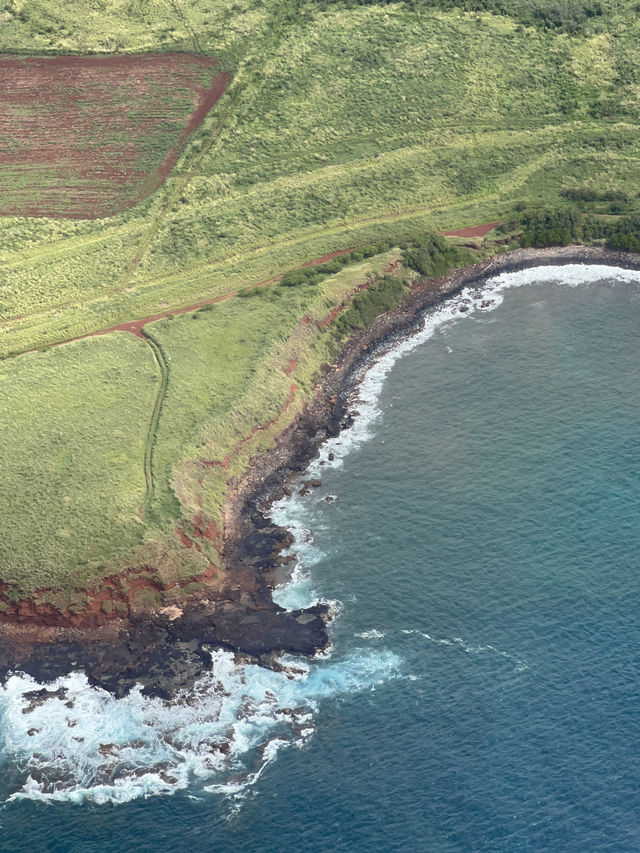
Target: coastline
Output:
[
  {"x": 165, "y": 652},
  {"x": 268, "y": 476}
]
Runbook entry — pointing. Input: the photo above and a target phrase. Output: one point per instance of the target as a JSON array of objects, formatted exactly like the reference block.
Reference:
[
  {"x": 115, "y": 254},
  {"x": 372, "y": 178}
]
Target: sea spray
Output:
[{"x": 81, "y": 743}]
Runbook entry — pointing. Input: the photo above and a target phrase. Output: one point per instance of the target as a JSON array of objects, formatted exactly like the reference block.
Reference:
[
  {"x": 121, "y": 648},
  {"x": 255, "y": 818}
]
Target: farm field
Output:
[
  {"x": 84, "y": 137},
  {"x": 341, "y": 126}
]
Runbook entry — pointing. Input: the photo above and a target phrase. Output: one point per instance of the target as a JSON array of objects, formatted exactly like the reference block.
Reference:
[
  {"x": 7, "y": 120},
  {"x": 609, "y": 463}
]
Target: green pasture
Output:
[{"x": 73, "y": 426}]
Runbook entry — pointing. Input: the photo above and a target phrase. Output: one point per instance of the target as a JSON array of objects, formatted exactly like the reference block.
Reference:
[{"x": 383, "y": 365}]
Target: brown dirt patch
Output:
[
  {"x": 331, "y": 316},
  {"x": 83, "y": 137},
  {"x": 326, "y": 258},
  {"x": 473, "y": 231}
]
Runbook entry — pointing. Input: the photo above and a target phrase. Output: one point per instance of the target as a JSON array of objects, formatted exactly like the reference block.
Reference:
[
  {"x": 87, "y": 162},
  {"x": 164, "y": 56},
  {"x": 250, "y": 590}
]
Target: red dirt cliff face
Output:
[
  {"x": 116, "y": 596},
  {"x": 94, "y": 135}
]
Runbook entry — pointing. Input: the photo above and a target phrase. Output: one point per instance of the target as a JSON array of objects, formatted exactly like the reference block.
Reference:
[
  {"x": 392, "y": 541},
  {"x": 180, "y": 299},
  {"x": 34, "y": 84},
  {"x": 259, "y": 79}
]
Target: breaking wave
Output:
[
  {"x": 468, "y": 648},
  {"x": 77, "y": 742},
  {"x": 485, "y": 297}
]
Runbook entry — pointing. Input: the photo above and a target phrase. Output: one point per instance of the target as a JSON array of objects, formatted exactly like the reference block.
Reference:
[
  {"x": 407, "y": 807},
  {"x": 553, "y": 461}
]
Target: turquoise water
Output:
[{"x": 484, "y": 684}]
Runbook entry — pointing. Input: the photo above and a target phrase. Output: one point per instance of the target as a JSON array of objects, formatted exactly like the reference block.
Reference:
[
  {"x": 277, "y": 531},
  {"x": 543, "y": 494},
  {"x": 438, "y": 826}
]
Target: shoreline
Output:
[
  {"x": 266, "y": 480},
  {"x": 164, "y": 652}
]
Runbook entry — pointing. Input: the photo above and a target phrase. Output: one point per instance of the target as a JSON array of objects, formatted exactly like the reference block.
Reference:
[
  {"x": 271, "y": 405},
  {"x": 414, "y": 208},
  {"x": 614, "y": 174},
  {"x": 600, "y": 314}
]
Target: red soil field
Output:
[
  {"x": 473, "y": 231},
  {"x": 84, "y": 137}
]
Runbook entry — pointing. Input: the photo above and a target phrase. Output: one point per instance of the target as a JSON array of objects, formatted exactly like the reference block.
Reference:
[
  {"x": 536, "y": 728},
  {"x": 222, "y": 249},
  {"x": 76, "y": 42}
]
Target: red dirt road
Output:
[
  {"x": 86, "y": 136},
  {"x": 473, "y": 231},
  {"x": 135, "y": 327},
  {"x": 325, "y": 258}
]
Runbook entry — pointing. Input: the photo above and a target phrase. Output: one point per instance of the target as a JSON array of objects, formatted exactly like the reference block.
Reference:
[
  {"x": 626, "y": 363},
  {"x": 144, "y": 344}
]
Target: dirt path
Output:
[
  {"x": 153, "y": 423},
  {"x": 473, "y": 231},
  {"x": 135, "y": 327}
]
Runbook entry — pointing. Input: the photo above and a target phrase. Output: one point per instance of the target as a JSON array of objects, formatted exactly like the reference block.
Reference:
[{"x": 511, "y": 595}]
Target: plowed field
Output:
[{"x": 84, "y": 137}]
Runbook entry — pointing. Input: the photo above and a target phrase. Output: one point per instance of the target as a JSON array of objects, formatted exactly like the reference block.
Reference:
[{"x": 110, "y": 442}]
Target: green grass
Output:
[
  {"x": 342, "y": 126},
  {"x": 227, "y": 378},
  {"x": 73, "y": 425},
  {"x": 444, "y": 116},
  {"x": 102, "y": 438}
]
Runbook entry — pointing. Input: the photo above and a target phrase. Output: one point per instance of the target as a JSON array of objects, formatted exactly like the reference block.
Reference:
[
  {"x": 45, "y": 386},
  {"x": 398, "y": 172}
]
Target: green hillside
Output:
[{"x": 345, "y": 125}]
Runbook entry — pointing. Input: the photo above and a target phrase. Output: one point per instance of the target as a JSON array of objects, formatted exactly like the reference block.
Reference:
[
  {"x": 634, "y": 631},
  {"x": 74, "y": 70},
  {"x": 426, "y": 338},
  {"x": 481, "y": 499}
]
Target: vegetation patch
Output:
[
  {"x": 419, "y": 117},
  {"x": 568, "y": 15},
  {"x": 384, "y": 295}
]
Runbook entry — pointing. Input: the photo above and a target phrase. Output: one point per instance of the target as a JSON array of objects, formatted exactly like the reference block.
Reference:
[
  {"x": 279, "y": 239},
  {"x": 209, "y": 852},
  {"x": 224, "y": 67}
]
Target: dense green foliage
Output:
[
  {"x": 552, "y": 227},
  {"x": 433, "y": 256},
  {"x": 316, "y": 272},
  {"x": 569, "y": 15},
  {"x": 382, "y": 296},
  {"x": 625, "y": 233},
  {"x": 567, "y": 225}
]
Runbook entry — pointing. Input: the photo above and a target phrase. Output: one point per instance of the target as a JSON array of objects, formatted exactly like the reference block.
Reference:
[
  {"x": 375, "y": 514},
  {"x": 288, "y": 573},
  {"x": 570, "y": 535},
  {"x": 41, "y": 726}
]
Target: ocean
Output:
[{"x": 478, "y": 534}]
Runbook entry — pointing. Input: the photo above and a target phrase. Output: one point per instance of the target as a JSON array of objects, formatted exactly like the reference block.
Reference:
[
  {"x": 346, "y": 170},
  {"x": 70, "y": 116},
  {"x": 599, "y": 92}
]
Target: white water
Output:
[
  {"x": 221, "y": 735},
  {"x": 218, "y": 736},
  {"x": 471, "y": 299}
]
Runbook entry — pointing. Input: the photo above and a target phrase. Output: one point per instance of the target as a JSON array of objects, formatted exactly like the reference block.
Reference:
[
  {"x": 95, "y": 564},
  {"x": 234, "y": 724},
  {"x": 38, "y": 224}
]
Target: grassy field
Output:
[
  {"x": 343, "y": 125},
  {"x": 412, "y": 118},
  {"x": 73, "y": 424},
  {"x": 77, "y": 499}
]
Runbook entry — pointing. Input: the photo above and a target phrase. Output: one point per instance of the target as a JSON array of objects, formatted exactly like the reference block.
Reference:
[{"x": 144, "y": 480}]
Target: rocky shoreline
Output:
[{"x": 165, "y": 652}]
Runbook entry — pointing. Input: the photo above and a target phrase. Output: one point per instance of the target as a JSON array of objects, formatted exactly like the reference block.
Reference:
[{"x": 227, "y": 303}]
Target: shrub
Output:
[
  {"x": 625, "y": 233},
  {"x": 552, "y": 227},
  {"x": 369, "y": 304}
]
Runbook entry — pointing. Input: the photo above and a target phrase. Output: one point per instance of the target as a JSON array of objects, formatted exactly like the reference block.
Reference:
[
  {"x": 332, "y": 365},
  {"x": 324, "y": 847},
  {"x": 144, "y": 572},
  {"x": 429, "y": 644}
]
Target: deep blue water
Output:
[{"x": 483, "y": 693}]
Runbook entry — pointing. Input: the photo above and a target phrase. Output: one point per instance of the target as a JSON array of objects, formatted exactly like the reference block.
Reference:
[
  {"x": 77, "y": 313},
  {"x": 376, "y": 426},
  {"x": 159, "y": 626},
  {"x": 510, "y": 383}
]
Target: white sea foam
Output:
[
  {"x": 468, "y": 648},
  {"x": 217, "y": 737}
]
